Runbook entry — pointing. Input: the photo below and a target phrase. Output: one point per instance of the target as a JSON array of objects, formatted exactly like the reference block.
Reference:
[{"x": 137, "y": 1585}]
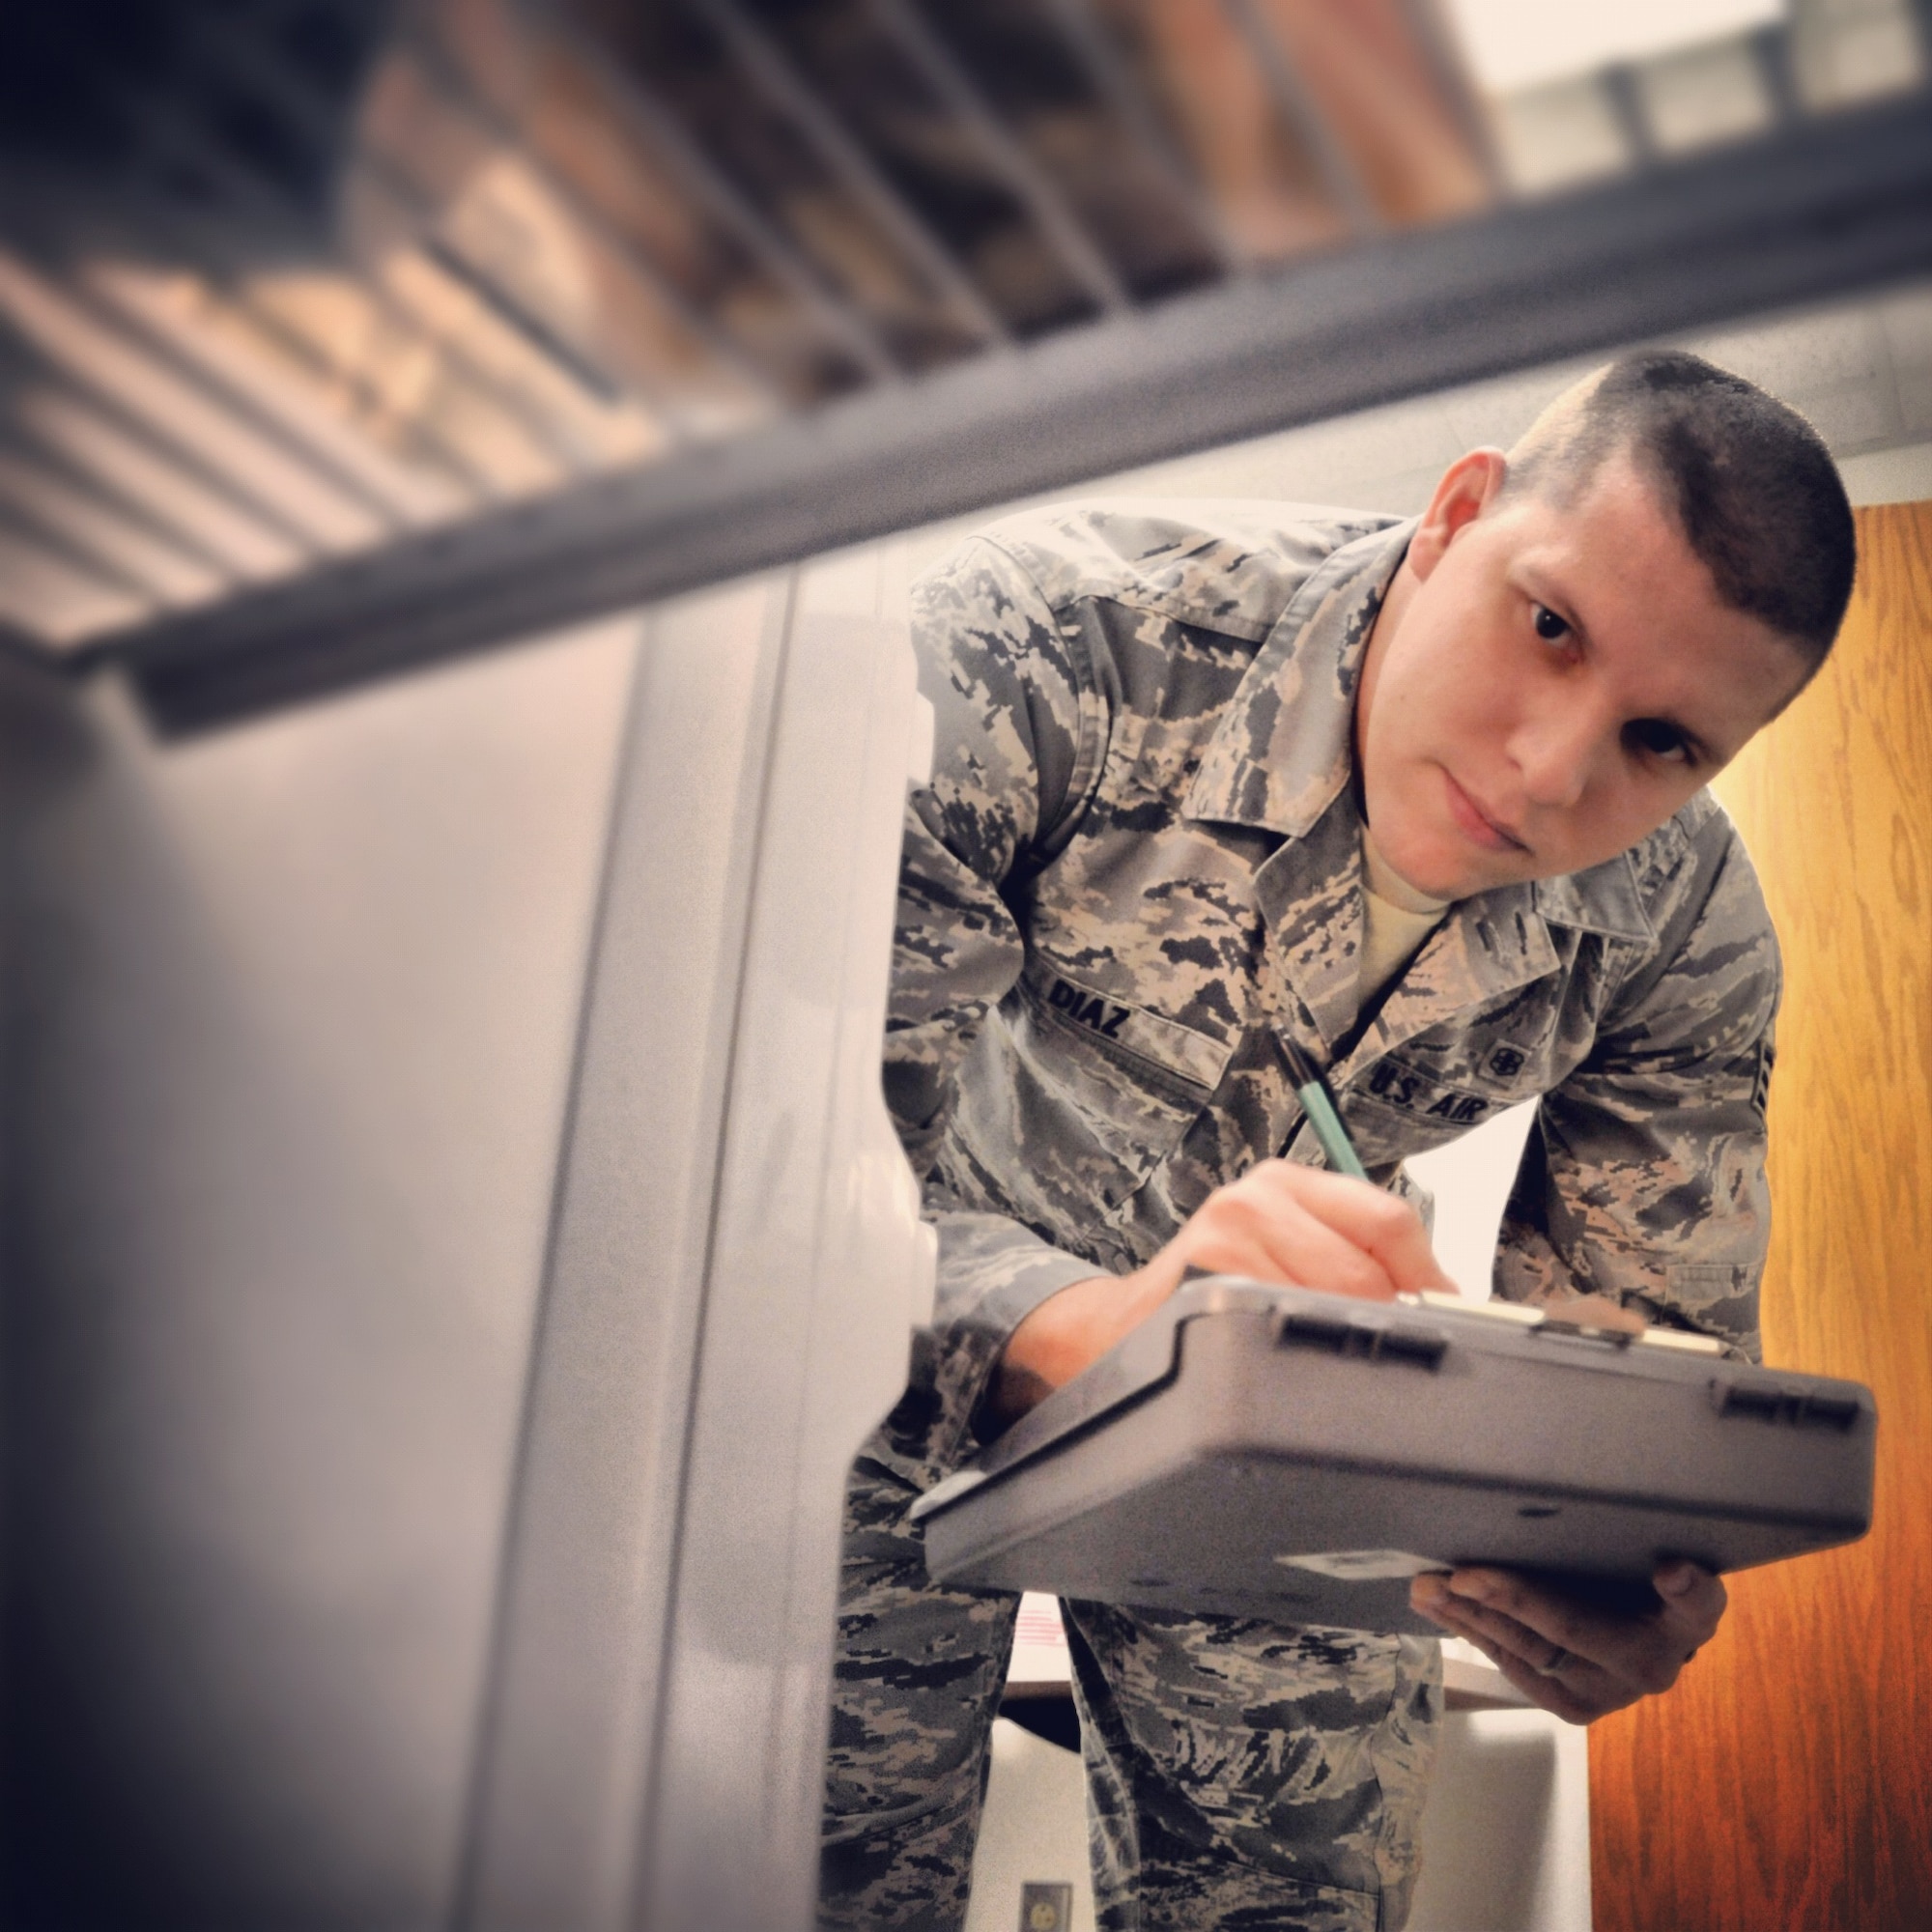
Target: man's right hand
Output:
[{"x": 1281, "y": 1222}]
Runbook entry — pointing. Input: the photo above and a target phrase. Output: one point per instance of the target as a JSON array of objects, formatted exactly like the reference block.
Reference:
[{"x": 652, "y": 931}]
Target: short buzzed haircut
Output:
[{"x": 1750, "y": 483}]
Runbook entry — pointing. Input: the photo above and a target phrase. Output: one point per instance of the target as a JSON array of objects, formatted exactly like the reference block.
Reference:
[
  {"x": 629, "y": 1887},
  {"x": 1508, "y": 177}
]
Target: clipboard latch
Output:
[
  {"x": 1363, "y": 1336},
  {"x": 1770, "y": 1400}
]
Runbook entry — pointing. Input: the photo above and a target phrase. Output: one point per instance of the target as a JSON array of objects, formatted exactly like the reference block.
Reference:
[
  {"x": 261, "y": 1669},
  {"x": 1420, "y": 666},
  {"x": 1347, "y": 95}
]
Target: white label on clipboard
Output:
[{"x": 1364, "y": 1566}]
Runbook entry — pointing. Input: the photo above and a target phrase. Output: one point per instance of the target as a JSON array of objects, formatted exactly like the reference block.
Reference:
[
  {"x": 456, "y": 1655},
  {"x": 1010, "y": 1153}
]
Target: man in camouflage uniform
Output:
[{"x": 1139, "y": 867}]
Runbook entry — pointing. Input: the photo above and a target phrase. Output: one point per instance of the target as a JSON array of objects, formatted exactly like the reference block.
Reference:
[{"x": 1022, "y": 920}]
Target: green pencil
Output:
[{"x": 1318, "y": 1102}]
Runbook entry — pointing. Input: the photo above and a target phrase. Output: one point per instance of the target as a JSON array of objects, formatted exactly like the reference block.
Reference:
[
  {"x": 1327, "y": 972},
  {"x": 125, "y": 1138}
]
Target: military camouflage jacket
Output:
[{"x": 1137, "y": 866}]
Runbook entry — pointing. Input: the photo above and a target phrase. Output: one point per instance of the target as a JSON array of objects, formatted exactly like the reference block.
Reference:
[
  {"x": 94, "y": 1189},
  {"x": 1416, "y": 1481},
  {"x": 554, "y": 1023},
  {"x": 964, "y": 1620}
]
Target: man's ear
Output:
[{"x": 1468, "y": 487}]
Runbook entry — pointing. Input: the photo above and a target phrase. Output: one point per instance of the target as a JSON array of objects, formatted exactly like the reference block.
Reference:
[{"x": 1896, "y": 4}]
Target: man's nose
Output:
[{"x": 1556, "y": 751}]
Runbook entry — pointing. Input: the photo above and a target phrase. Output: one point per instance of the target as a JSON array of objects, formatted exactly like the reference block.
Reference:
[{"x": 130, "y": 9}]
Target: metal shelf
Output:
[{"x": 524, "y": 312}]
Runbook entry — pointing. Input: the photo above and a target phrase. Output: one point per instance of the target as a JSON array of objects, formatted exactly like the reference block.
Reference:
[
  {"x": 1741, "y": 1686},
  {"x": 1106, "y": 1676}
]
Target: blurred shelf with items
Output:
[{"x": 342, "y": 334}]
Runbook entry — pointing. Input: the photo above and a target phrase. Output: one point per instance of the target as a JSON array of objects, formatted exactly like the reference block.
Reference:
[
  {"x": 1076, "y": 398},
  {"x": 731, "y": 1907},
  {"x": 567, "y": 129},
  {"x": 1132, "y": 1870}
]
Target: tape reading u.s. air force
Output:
[
  {"x": 1152, "y": 1037},
  {"x": 1397, "y": 1087}
]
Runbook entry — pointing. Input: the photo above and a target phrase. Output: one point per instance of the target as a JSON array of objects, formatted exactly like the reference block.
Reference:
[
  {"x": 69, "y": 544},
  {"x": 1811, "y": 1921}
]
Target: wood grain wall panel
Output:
[{"x": 1787, "y": 1783}]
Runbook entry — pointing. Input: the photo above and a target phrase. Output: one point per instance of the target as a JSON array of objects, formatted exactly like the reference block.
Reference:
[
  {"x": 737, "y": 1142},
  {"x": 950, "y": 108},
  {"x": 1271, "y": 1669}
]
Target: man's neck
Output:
[{"x": 1387, "y": 621}]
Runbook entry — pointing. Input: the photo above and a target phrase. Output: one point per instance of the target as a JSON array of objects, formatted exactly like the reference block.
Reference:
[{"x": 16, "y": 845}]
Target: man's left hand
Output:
[{"x": 1571, "y": 1658}]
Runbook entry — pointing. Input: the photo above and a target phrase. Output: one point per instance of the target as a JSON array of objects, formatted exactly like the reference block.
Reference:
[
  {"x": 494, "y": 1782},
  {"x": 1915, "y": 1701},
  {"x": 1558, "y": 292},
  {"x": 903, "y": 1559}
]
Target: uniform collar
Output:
[
  {"x": 1605, "y": 898},
  {"x": 1286, "y": 744}
]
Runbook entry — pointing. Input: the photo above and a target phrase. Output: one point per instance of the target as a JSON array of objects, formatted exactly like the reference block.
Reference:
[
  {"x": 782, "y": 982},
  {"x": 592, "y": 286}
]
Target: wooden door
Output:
[{"x": 1786, "y": 1784}]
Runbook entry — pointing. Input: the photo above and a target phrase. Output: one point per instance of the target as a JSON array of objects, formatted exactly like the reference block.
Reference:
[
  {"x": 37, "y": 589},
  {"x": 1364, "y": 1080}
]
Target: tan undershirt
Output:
[{"x": 1397, "y": 919}]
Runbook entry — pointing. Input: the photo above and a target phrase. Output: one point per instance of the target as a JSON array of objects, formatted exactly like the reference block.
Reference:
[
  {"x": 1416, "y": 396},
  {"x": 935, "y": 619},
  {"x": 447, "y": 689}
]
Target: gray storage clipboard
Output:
[{"x": 1281, "y": 1453}]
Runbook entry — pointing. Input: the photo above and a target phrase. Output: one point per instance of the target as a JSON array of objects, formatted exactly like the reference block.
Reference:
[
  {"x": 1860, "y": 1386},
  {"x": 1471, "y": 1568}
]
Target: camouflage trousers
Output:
[{"x": 1240, "y": 1776}]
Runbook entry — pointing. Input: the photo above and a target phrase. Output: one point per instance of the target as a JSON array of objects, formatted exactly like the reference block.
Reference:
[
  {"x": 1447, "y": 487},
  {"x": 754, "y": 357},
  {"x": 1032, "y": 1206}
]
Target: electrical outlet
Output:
[{"x": 1045, "y": 1907}]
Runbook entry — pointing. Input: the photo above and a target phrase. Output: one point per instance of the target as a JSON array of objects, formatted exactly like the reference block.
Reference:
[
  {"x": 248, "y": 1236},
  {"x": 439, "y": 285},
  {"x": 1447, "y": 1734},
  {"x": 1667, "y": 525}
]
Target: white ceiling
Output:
[
  {"x": 1513, "y": 43},
  {"x": 1861, "y": 371}
]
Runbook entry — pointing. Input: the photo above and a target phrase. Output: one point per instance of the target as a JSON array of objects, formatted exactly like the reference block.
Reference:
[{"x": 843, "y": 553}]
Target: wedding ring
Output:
[{"x": 1560, "y": 1661}]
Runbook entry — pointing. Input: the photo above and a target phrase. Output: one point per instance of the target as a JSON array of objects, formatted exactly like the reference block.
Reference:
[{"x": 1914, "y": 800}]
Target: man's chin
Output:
[
  {"x": 1457, "y": 878},
  {"x": 1432, "y": 860},
  {"x": 1425, "y": 867}
]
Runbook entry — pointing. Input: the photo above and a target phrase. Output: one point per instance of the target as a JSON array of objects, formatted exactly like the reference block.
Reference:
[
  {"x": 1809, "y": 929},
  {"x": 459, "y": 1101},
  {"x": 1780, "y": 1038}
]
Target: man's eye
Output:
[
  {"x": 1659, "y": 740},
  {"x": 1549, "y": 627}
]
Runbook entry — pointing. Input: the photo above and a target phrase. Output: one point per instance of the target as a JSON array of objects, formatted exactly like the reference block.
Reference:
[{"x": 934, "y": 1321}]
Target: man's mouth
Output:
[{"x": 1476, "y": 825}]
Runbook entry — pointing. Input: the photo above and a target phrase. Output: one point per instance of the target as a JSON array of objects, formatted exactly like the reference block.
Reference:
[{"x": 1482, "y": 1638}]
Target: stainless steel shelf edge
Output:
[
  {"x": 566, "y": 1741},
  {"x": 735, "y": 1265}
]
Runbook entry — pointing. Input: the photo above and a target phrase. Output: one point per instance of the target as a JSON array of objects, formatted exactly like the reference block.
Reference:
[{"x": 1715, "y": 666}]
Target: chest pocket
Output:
[{"x": 1074, "y": 1097}]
